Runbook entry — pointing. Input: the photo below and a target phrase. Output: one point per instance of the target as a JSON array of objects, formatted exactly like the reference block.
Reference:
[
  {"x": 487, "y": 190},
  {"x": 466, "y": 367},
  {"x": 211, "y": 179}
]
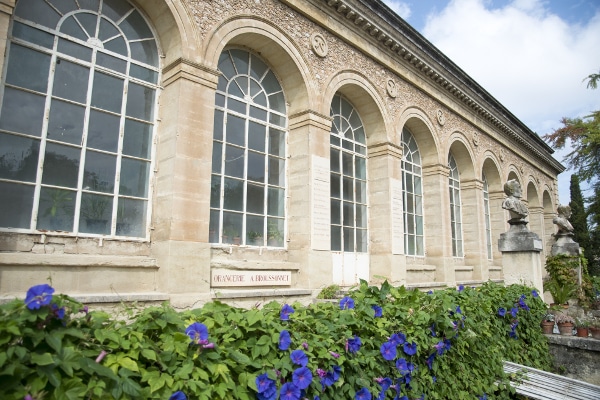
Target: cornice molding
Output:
[{"x": 407, "y": 44}]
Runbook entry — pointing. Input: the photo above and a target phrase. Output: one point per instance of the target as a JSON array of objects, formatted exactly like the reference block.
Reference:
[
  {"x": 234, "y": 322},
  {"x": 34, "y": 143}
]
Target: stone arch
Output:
[
  {"x": 363, "y": 95},
  {"x": 549, "y": 214},
  {"x": 496, "y": 196},
  {"x": 461, "y": 152},
  {"x": 514, "y": 174},
  {"x": 536, "y": 212},
  {"x": 422, "y": 129},
  {"x": 531, "y": 192},
  {"x": 275, "y": 47}
]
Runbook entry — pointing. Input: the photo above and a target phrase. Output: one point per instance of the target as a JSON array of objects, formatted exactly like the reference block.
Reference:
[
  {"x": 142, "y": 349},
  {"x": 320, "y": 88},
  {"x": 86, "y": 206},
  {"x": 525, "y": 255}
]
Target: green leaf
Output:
[
  {"x": 253, "y": 316},
  {"x": 42, "y": 359},
  {"x": 239, "y": 357},
  {"x": 54, "y": 342},
  {"x": 149, "y": 354},
  {"x": 127, "y": 362}
]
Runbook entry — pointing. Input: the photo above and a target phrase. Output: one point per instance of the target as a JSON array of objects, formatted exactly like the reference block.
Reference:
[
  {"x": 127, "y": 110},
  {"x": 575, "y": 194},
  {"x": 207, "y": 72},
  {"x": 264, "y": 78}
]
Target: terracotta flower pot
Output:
[
  {"x": 547, "y": 327},
  {"x": 583, "y": 332},
  {"x": 565, "y": 329},
  {"x": 595, "y": 333}
]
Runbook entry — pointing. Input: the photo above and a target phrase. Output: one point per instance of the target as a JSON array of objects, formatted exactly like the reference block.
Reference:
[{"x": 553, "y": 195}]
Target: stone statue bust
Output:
[
  {"x": 517, "y": 209},
  {"x": 562, "y": 220}
]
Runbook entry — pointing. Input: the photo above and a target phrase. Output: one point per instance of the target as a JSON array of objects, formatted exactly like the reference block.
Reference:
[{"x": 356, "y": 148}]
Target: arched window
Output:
[
  {"x": 412, "y": 194},
  {"x": 486, "y": 216},
  {"x": 77, "y": 118},
  {"x": 249, "y": 149},
  {"x": 348, "y": 164},
  {"x": 455, "y": 208}
]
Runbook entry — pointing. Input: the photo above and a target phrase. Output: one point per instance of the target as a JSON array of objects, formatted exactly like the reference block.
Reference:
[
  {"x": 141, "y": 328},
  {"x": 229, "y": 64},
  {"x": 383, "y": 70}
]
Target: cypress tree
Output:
[
  {"x": 578, "y": 215},
  {"x": 593, "y": 253}
]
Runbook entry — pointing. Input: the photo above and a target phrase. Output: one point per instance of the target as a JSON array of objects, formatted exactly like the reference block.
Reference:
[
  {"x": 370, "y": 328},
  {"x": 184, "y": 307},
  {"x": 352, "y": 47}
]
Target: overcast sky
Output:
[{"x": 531, "y": 55}]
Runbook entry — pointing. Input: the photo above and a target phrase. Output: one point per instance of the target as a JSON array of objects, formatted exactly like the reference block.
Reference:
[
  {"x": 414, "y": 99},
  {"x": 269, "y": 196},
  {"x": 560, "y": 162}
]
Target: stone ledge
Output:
[
  {"x": 424, "y": 267},
  {"x": 466, "y": 268},
  {"x": 427, "y": 285},
  {"x": 575, "y": 341},
  {"x": 236, "y": 294},
  {"x": 75, "y": 260},
  {"x": 108, "y": 298},
  {"x": 256, "y": 265}
]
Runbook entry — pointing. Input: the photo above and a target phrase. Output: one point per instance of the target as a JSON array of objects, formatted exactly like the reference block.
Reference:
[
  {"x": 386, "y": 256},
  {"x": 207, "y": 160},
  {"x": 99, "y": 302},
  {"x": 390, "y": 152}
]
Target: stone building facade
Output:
[{"x": 248, "y": 149}]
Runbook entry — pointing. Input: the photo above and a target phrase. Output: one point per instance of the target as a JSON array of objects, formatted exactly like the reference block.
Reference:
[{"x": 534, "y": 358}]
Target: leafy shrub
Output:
[{"x": 382, "y": 341}]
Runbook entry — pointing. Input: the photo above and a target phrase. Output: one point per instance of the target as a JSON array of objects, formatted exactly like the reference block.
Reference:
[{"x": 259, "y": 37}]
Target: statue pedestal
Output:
[
  {"x": 565, "y": 245},
  {"x": 521, "y": 256}
]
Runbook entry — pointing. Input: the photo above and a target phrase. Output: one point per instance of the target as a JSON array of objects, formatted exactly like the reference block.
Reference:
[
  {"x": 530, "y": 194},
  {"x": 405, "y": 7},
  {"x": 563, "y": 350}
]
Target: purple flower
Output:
[
  {"x": 286, "y": 310},
  {"x": 101, "y": 356},
  {"x": 430, "y": 292},
  {"x": 522, "y": 303},
  {"x": 534, "y": 293},
  {"x": 397, "y": 339},
  {"x": 458, "y": 310},
  {"x": 38, "y": 295},
  {"x": 208, "y": 346},
  {"x": 502, "y": 311},
  {"x": 461, "y": 288},
  {"x": 28, "y": 397},
  {"x": 484, "y": 397},
  {"x": 289, "y": 391},
  {"x": 334, "y": 354},
  {"x": 378, "y": 311},
  {"x": 430, "y": 360},
  {"x": 402, "y": 366},
  {"x": 179, "y": 395},
  {"x": 337, "y": 370},
  {"x": 305, "y": 345},
  {"x": 353, "y": 344},
  {"x": 388, "y": 351},
  {"x": 346, "y": 303},
  {"x": 302, "y": 377},
  {"x": 197, "y": 332},
  {"x": 298, "y": 357},
  {"x": 263, "y": 382},
  {"x": 363, "y": 394},
  {"x": 384, "y": 382},
  {"x": 514, "y": 311},
  {"x": 284, "y": 340},
  {"x": 58, "y": 312},
  {"x": 410, "y": 348}
]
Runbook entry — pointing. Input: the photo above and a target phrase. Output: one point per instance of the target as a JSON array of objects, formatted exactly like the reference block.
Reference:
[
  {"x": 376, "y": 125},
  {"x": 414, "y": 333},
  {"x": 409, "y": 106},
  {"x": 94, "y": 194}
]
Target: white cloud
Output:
[
  {"x": 529, "y": 59},
  {"x": 400, "y": 8}
]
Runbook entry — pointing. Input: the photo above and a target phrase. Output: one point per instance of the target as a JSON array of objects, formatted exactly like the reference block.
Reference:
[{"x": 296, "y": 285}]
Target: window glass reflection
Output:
[
  {"x": 61, "y": 165},
  {"x": 56, "y": 209},
  {"x": 18, "y": 199},
  {"x": 28, "y": 68},
  {"x": 18, "y": 103},
  {"x": 134, "y": 177},
  {"x": 70, "y": 81},
  {"x": 65, "y": 122},
  {"x": 18, "y": 157},
  {"x": 99, "y": 172}
]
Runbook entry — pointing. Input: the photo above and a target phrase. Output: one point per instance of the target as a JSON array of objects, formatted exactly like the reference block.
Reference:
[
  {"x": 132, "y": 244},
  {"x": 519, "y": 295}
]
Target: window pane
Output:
[
  {"x": 107, "y": 31},
  {"x": 336, "y": 238},
  {"x": 348, "y": 189},
  {"x": 215, "y": 191},
  {"x": 65, "y": 122},
  {"x": 217, "y": 155},
  {"x": 64, "y": 6},
  {"x": 107, "y": 92},
  {"x": 361, "y": 169},
  {"x": 89, "y": 22},
  {"x": 348, "y": 218},
  {"x": 276, "y": 171},
  {"x": 226, "y": 65},
  {"x": 140, "y": 102},
  {"x": 71, "y": 81},
  {"x": 72, "y": 28},
  {"x": 115, "y": 9},
  {"x": 241, "y": 60},
  {"x": 258, "y": 113},
  {"x": 110, "y": 62},
  {"x": 277, "y": 102},
  {"x": 276, "y": 142},
  {"x": 74, "y": 50},
  {"x": 255, "y": 235},
  {"x": 96, "y": 213},
  {"x": 145, "y": 51},
  {"x": 218, "y": 125},
  {"x": 256, "y": 166},
  {"x": 234, "y": 161},
  {"x": 18, "y": 159},
  {"x": 38, "y": 12},
  {"x": 135, "y": 27},
  {"x": 276, "y": 202},
  {"x": 255, "y": 199},
  {"x": 347, "y": 164},
  {"x": 117, "y": 45},
  {"x": 257, "y": 67},
  {"x": 256, "y": 136},
  {"x": 336, "y": 212},
  {"x": 232, "y": 227},
  {"x": 275, "y": 232},
  {"x": 131, "y": 217},
  {"x": 28, "y": 68},
  {"x": 334, "y": 160},
  {"x": 361, "y": 216},
  {"x": 348, "y": 239},
  {"x": 233, "y": 196},
  {"x": 213, "y": 230},
  {"x": 99, "y": 173},
  {"x": 19, "y": 200},
  {"x": 134, "y": 177},
  {"x": 235, "y": 130},
  {"x": 55, "y": 212},
  {"x": 103, "y": 131},
  {"x": 361, "y": 240},
  {"x": 32, "y": 35},
  {"x": 361, "y": 191},
  {"x": 335, "y": 185},
  {"x": 61, "y": 165},
  {"x": 142, "y": 73},
  {"x": 277, "y": 119},
  {"x": 18, "y": 103}
]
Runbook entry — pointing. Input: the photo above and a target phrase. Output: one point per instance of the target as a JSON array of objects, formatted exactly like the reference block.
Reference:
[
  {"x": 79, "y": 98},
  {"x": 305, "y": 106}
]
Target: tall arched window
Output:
[
  {"x": 249, "y": 148},
  {"x": 455, "y": 208},
  {"x": 412, "y": 193},
  {"x": 348, "y": 164},
  {"x": 77, "y": 118},
  {"x": 486, "y": 212}
]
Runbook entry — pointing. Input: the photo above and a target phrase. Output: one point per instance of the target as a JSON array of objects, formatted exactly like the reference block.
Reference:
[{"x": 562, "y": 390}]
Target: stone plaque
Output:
[
  {"x": 318, "y": 44},
  {"x": 392, "y": 89},
  {"x": 321, "y": 207},
  {"x": 231, "y": 278}
]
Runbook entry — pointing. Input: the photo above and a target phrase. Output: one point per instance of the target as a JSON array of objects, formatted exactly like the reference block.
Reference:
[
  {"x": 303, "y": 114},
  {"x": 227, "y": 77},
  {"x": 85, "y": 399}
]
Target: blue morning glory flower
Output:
[
  {"x": 430, "y": 360},
  {"x": 302, "y": 377},
  {"x": 298, "y": 357},
  {"x": 266, "y": 387},
  {"x": 353, "y": 344},
  {"x": 378, "y": 311},
  {"x": 346, "y": 303},
  {"x": 363, "y": 394},
  {"x": 534, "y": 293},
  {"x": 38, "y": 295},
  {"x": 402, "y": 366},
  {"x": 388, "y": 351},
  {"x": 284, "y": 340},
  {"x": 179, "y": 395},
  {"x": 398, "y": 339},
  {"x": 197, "y": 332},
  {"x": 289, "y": 391},
  {"x": 461, "y": 288},
  {"x": 410, "y": 348},
  {"x": 286, "y": 310},
  {"x": 502, "y": 311},
  {"x": 514, "y": 311}
]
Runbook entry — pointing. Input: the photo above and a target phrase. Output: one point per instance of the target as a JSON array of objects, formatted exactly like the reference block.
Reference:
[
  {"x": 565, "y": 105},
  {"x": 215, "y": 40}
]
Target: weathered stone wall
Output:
[{"x": 575, "y": 357}]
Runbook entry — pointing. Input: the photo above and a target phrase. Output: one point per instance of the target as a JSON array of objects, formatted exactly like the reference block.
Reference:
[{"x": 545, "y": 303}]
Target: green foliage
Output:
[
  {"x": 150, "y": 356},
  {"x": 563, "y": 282},
  {"x": 578, "y": 214},
  {"x": 329, "y": 292}
]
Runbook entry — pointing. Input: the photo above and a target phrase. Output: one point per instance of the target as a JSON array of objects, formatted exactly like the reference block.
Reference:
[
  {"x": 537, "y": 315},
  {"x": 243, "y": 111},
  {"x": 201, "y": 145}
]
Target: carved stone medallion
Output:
[
  {"x": 392, "y": 89},
  {"x": 441, "y": 118},
  {"x": 318, "y": 44}
]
